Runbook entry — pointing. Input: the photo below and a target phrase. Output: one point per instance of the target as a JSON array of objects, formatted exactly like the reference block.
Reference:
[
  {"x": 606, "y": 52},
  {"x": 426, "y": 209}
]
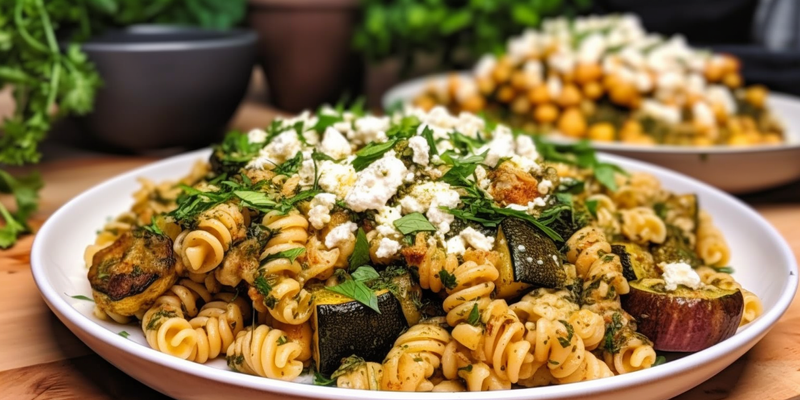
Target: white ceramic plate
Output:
[
  {"x": 763, "y": 261},
  {"x": 733, "y": 169}
]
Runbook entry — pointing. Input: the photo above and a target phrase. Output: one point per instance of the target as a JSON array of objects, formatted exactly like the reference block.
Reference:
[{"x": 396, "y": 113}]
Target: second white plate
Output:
[{"x": 733, "y": 169}]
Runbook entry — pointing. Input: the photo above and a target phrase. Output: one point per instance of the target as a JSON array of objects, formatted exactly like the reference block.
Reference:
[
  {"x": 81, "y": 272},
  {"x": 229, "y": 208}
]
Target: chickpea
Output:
[
  {"x": 572, "y": 123},
  {"x": 521, "y": 105},
  {"x": 732, "y": 80},
  {"x": 486, "y": 86},
  {"x": 630, "y": 131},
  {"x": 610, "y": 81},
  {"x": 587, "y": 72},
  {"x": 720, "y": 113},
  {"x": 756, "y": 95},
  {"x": 602, "y": 131},
  {"x": 502, "y": 72},
  {"x": 714, "y": 72},
  {"x": 570, "y": 96},
  {"x": 474, "y": 103},
  {"x": 730, "y": 64},
  {"x": 545, "y": 113},
  {"x": 593, "y": 90},
  {"x": 505, "y": 94},
  {"x": 739, "y": 140},
  {"x": 644, "y": 139},
  {"x": 539, "y": 95},
  {"x": 622, "y": 94},
  {"x": 425, "y": 102},
  {"x": 519, "y": 80},
  {"x": 702, "y": 141},
  {"x": 772, "y": 138}
]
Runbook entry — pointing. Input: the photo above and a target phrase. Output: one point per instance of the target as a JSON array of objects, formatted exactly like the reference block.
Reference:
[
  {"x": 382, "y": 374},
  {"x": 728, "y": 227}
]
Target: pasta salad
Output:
[{"x": 422, "y": 251}]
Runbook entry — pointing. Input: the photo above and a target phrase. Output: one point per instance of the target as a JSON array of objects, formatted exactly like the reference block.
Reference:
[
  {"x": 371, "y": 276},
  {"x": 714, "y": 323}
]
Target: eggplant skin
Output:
[
  {"x": 684, "y": 323},
  {"x": 132, "y": 272}
]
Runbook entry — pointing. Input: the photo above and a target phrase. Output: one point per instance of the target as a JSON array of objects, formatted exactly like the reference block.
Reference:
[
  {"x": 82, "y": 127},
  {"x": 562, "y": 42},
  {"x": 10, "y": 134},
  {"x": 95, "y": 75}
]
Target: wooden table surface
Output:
[{"x": 41, "y": 359}]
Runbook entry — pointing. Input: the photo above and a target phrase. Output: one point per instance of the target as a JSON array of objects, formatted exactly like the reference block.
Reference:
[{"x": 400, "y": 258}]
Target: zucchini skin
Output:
[{"x": 351, "y": 328}]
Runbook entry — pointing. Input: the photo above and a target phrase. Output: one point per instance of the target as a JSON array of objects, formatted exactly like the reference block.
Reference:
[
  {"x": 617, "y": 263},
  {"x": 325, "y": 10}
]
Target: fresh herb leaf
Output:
[
  {"x": 365, "y": 273},
  {"x": 25, "y": 190},
  {"x": 82, "y": 297},
  {"x": 591, "y": 205},
  {"x": 357, "y": 291},
  {"x": 659, "y": 360},
  {"x": 262, "y": 285},
  {"x": 566, "y": 341},
  {"x": 153, "y": 227},
  {"x": 347, "y": 366},
  {"x": 282, "y": 340},
  {"x": 406, "y": 128},
  {"x": 321, "y": 380},
  {"x": 427, "y": 133},
  {"x": 290, "y": 166},
  {"x": 448, "y": 279},
  {"x": 583, "y": 155},
  {"x": 726, "y": 270},
  {"x": 124, "y": 334},
  {"x": 254, "y": 199},
  {"x": 468, "y": 368},
  {"x": 661, "y": 209},
  {"x": 371, "y": 153},
  {"x": 474, "y": 317},
  {"x": 326, "y": 120},
  {"x": 290, "y": 254},
  {"x": 414, "y": 222},
  {"x": 360, "y": 254}
]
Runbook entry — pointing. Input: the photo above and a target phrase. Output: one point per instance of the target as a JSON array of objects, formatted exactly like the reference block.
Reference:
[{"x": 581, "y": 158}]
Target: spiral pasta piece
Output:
[
  {"x": 458, "y": 363},
  {"x": 591, "y": 369},
  {"x": 166, "y": 329},
  {"x": 320, "y": 262},
  {"x": 366, "y": 376},
  {"x": 474, "y": 285},
  {"x": 553, "y": 343},
  {"x": 552, "y": 304},
  {"x": 265, "y": 352},
  {"x": 202, "y": 249},
  {"x": 415, "y": 356},
  {"x": 711, "y": 245},
  {"x": 636, "y": 353},
  {"x": 637, "y": 190},
  {"x": 642, "y": 225},
  {"x": 606, "y": 213},
  {"x": 752, "y": 307},
  {"x": 217, "y": 325}
]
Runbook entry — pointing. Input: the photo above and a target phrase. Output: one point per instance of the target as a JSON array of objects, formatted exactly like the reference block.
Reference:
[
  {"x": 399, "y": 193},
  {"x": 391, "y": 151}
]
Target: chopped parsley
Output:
[
  {"x": 123, "y": 334},
  {"x": 448, "y": 279},
  {"x": 566, "y": 341},
  {"x": 81, "y": 297},
  {"x": 474, "y": 317}
]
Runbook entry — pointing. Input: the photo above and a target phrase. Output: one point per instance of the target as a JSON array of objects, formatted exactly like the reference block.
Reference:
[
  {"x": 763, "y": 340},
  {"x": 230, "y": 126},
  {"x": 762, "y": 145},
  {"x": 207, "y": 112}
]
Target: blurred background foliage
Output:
[{"x": 458, "y": 31}]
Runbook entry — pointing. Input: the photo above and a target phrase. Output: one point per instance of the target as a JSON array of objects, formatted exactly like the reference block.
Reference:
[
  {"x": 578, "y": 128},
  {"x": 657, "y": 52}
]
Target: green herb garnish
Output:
[
  {"x": 414, "y": 222},
  {"x": 357, "y": 291},
  {"x": 360, "y": 254},
  {"x": 448, "y": 279}
]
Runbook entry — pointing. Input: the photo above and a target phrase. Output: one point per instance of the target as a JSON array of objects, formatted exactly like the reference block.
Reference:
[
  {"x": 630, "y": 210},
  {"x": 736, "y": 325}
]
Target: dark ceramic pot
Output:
[
  {"x": 167, "y": 86},
  {"x": 305, "y": 49}
]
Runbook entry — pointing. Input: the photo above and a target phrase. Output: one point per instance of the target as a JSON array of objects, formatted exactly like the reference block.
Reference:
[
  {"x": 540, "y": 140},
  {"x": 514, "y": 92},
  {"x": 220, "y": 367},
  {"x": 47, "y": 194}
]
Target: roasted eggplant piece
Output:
[
  {"x": 344, "y": 327},
  {"x": 132, "y": 272},
  {"x": 683, "y": 320},
  {"x": 637, "y": 263},
  {"x": 528, "y": 258}
]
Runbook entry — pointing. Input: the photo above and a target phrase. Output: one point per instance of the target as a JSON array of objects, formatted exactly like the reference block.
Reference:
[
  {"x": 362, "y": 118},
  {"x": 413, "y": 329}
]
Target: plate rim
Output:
[
  {"x": 88, "y": 325},
  {"x": 391, "y": 96}
]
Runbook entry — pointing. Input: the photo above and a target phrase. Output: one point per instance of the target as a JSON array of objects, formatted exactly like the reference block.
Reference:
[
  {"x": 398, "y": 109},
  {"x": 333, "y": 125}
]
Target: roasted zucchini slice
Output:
[
  {"x": 344, "y": 327},
  {"x": 637, "y": 263},
  {"x": 132, "y": 272},
  {"x": 528, "y": 258}
]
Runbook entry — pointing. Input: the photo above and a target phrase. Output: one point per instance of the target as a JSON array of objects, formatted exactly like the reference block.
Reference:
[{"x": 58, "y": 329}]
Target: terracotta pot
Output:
[{"x": 305, "y": 50}]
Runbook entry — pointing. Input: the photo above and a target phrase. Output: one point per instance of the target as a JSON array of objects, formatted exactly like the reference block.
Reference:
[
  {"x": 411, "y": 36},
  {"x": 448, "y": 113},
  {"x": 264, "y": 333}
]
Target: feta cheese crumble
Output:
[
  {"x": 387, "y": 248},
  {"x": 476, "y": 239},
  {"x": 334, "y": 144},
  {"x": 376, "y": 184},
  {"x": 421, "y": 150},
  {"x": 341, "y": 235},
  {"x": 680, "y": 273},
  {"x": 321, "y": 206}
]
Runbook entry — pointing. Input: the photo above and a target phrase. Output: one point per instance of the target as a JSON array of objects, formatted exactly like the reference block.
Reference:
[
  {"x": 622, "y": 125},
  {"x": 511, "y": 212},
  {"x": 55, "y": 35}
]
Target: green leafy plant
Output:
[
  {"x": 40, "y": 58},
  {"x": 404, "y": 27}
]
